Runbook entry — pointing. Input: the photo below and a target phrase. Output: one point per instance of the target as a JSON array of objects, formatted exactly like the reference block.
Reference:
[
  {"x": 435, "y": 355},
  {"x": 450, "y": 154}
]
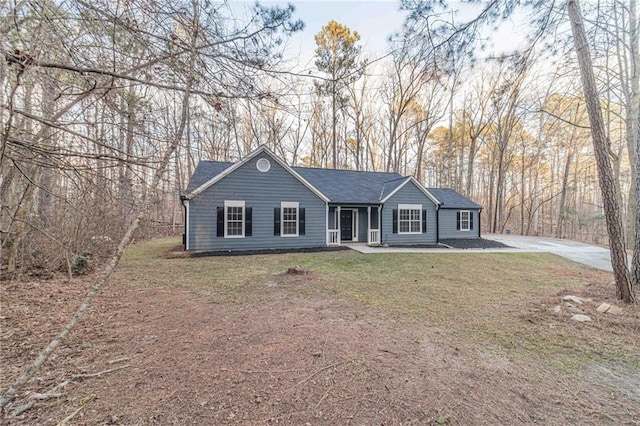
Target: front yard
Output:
[{"x": 359, "y": 339}]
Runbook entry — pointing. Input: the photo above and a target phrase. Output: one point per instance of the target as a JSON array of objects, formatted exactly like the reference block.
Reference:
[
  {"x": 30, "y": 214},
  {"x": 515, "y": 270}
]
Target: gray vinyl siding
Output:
[
  {"x": 363, "y": 221},
  {"x": 262, "y": 192},
  {"x": 362, "y": 225},
  {"x": 408, "y": 194},
  {"x": 374, "y": 217},
  {"x": 449, "y": 221}
]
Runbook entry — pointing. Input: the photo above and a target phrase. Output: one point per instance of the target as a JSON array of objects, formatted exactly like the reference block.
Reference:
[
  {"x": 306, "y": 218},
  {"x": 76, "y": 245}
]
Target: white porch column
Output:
[
  {"x": 338, "y": 224},
  {"x": 368, "y": 224},
  {"x": 326, "y": 221},
  {"x": 379, "y": 218}
]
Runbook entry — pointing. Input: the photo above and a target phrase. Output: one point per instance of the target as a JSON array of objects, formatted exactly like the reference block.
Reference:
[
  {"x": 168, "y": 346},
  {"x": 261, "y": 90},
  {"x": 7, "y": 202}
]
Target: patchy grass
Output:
[
  {"x": 351, "y": 339},
  {"x": 498, "y": 301}
]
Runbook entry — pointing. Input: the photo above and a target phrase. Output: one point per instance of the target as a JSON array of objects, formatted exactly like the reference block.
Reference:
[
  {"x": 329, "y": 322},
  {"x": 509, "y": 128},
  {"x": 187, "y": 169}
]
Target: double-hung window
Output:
[
  {"x": 234, "y": 216},
  {"x": 290, "y": 219},
  {"x": 409, "y": 218},
  {"x": 464, "y": 220}
]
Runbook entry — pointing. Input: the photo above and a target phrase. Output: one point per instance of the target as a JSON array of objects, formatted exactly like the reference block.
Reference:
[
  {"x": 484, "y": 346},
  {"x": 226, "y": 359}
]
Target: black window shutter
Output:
[
  {"x": 424, "y": 221},
  {"x": 395, "y": 221},
  {"x": 301, "y": 221},
  {"x": 458, "y": 221},
  {"x": 276, "y": 221},
  {"x": 470, "y": 220},
  {"x": 220, "y": 222},
  {"x": 248, "y": 222}
]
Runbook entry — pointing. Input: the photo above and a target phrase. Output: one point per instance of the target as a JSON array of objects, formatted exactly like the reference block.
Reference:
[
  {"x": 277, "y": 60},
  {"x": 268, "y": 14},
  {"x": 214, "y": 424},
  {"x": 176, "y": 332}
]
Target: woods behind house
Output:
[{"x": 92, "y": 94}]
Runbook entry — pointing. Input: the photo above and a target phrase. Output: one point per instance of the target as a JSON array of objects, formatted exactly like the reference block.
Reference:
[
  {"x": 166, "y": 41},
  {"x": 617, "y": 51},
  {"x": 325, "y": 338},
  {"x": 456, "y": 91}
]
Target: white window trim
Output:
[
  {"x": 289, "y": 204},
  {"x": 468, "y": 228},
  {"x": 231, "y": 203},
  {"x": 410, "y": 207}
]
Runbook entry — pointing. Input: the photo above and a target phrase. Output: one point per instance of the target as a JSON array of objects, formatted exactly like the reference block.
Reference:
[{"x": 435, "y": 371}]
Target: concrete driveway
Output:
[
  {"x": 594, "y": 256},
  {"x": 587, "y": 254}
]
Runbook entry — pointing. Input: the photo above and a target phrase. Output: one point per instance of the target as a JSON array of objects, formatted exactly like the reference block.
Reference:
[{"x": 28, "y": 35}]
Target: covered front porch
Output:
[{"x": 353, "y": 223}]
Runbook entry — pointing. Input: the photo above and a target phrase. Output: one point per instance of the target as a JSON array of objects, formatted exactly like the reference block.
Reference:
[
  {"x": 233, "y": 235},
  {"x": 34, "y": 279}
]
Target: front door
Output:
[{"x": 346, "y": 225}]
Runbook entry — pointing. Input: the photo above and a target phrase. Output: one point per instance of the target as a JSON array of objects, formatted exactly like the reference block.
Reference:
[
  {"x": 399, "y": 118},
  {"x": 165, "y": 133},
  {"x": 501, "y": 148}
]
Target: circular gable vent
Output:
[{"x": 263, "y": 165}]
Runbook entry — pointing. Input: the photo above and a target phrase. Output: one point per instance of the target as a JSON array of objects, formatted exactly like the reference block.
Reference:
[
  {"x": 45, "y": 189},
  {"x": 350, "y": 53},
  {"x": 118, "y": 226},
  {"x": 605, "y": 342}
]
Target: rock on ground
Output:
[
  {"x": 574, "y": 299},
  {"x": 581, "y": 318}
]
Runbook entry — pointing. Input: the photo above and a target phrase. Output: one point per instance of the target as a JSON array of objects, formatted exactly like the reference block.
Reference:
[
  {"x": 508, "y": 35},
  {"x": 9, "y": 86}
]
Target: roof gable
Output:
[
  {"x": 231, "y": 168},
  {"x": 417, "y": 185}
]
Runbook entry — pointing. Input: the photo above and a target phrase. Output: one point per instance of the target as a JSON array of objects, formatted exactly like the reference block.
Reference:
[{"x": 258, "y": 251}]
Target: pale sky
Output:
[{"x": 375, "y": 20}]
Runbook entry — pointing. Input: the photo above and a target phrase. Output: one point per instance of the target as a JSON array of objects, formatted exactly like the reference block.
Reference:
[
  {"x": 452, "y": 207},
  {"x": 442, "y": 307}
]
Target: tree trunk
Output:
[
  {"x": 498, "y": 213},
  {"x": 563, "y": 193},
  {"x": 522, "y": 189},
  {"x": 24, "y": 202},
  {"x": 470, "y": 163},
  {"x": 608, "y": 186},
  {"x": 634, "y": 118},
  {"x": 334, "y": 119}
]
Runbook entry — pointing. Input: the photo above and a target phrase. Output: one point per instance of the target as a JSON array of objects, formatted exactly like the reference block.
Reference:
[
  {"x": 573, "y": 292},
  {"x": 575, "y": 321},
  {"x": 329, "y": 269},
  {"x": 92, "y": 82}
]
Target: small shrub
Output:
[{"x": 81, "y": 263}]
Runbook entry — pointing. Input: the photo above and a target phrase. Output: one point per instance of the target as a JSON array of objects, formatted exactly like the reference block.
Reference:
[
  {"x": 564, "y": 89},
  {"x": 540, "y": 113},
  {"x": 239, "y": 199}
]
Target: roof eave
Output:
[{"x": 460, "y": 207}]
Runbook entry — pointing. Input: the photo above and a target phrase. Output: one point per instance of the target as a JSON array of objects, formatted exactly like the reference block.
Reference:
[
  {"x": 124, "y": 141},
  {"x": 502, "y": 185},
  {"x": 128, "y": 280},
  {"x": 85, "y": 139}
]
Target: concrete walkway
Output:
[
  {"x": 363, "y": 248},
  {"x": 587, "y": 254}
]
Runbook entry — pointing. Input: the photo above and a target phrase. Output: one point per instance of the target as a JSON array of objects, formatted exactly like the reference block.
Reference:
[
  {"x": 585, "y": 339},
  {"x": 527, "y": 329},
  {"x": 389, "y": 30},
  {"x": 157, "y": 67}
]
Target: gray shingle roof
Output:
[
  {"x": 343, "y": 186},
  {"x": 391, "y": 186},
  {"x": 204, "y": 171},
  {"x": 452, "y": 199},
  {"x": 349, "y": 186}
]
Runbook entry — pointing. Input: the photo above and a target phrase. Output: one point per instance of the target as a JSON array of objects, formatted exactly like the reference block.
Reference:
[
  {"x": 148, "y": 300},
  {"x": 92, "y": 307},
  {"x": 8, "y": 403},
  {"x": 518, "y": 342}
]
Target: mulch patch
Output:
[
  {"x": 475, "y": 243},
  {"x": 265, "y": 251}
]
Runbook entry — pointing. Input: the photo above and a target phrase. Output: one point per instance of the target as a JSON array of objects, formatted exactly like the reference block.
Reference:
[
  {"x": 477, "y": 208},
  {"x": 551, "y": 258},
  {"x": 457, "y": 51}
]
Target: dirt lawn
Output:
[{"x": 236, "y": 340}]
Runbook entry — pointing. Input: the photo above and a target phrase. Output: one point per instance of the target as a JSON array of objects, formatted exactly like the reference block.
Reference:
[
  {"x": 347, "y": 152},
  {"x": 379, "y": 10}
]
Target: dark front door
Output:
[{"x": 346, "y": 225}]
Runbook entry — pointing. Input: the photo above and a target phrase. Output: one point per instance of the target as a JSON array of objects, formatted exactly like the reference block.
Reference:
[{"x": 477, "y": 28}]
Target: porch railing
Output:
[
  {"x": 374, "y": 236},
  {"x": 333, "y": 237}
]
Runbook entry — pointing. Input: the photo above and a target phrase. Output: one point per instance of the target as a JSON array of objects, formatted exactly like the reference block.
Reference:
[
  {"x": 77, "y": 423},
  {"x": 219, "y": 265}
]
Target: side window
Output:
[
  {"x": 234, "y": 219},
  {"x": 290, "y": 218},
  {"x": 464, "y": 221}
]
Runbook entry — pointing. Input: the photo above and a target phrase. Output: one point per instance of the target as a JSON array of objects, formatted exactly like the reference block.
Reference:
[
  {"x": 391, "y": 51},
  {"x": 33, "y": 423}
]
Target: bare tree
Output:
[
  {"x": 174, "y": 53},
  {"x": 406, "y": 80},
  {"x": 474, "y": 122},
  {"x": 337, "y": 55},
  {"x": 608, "y": 186}
]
